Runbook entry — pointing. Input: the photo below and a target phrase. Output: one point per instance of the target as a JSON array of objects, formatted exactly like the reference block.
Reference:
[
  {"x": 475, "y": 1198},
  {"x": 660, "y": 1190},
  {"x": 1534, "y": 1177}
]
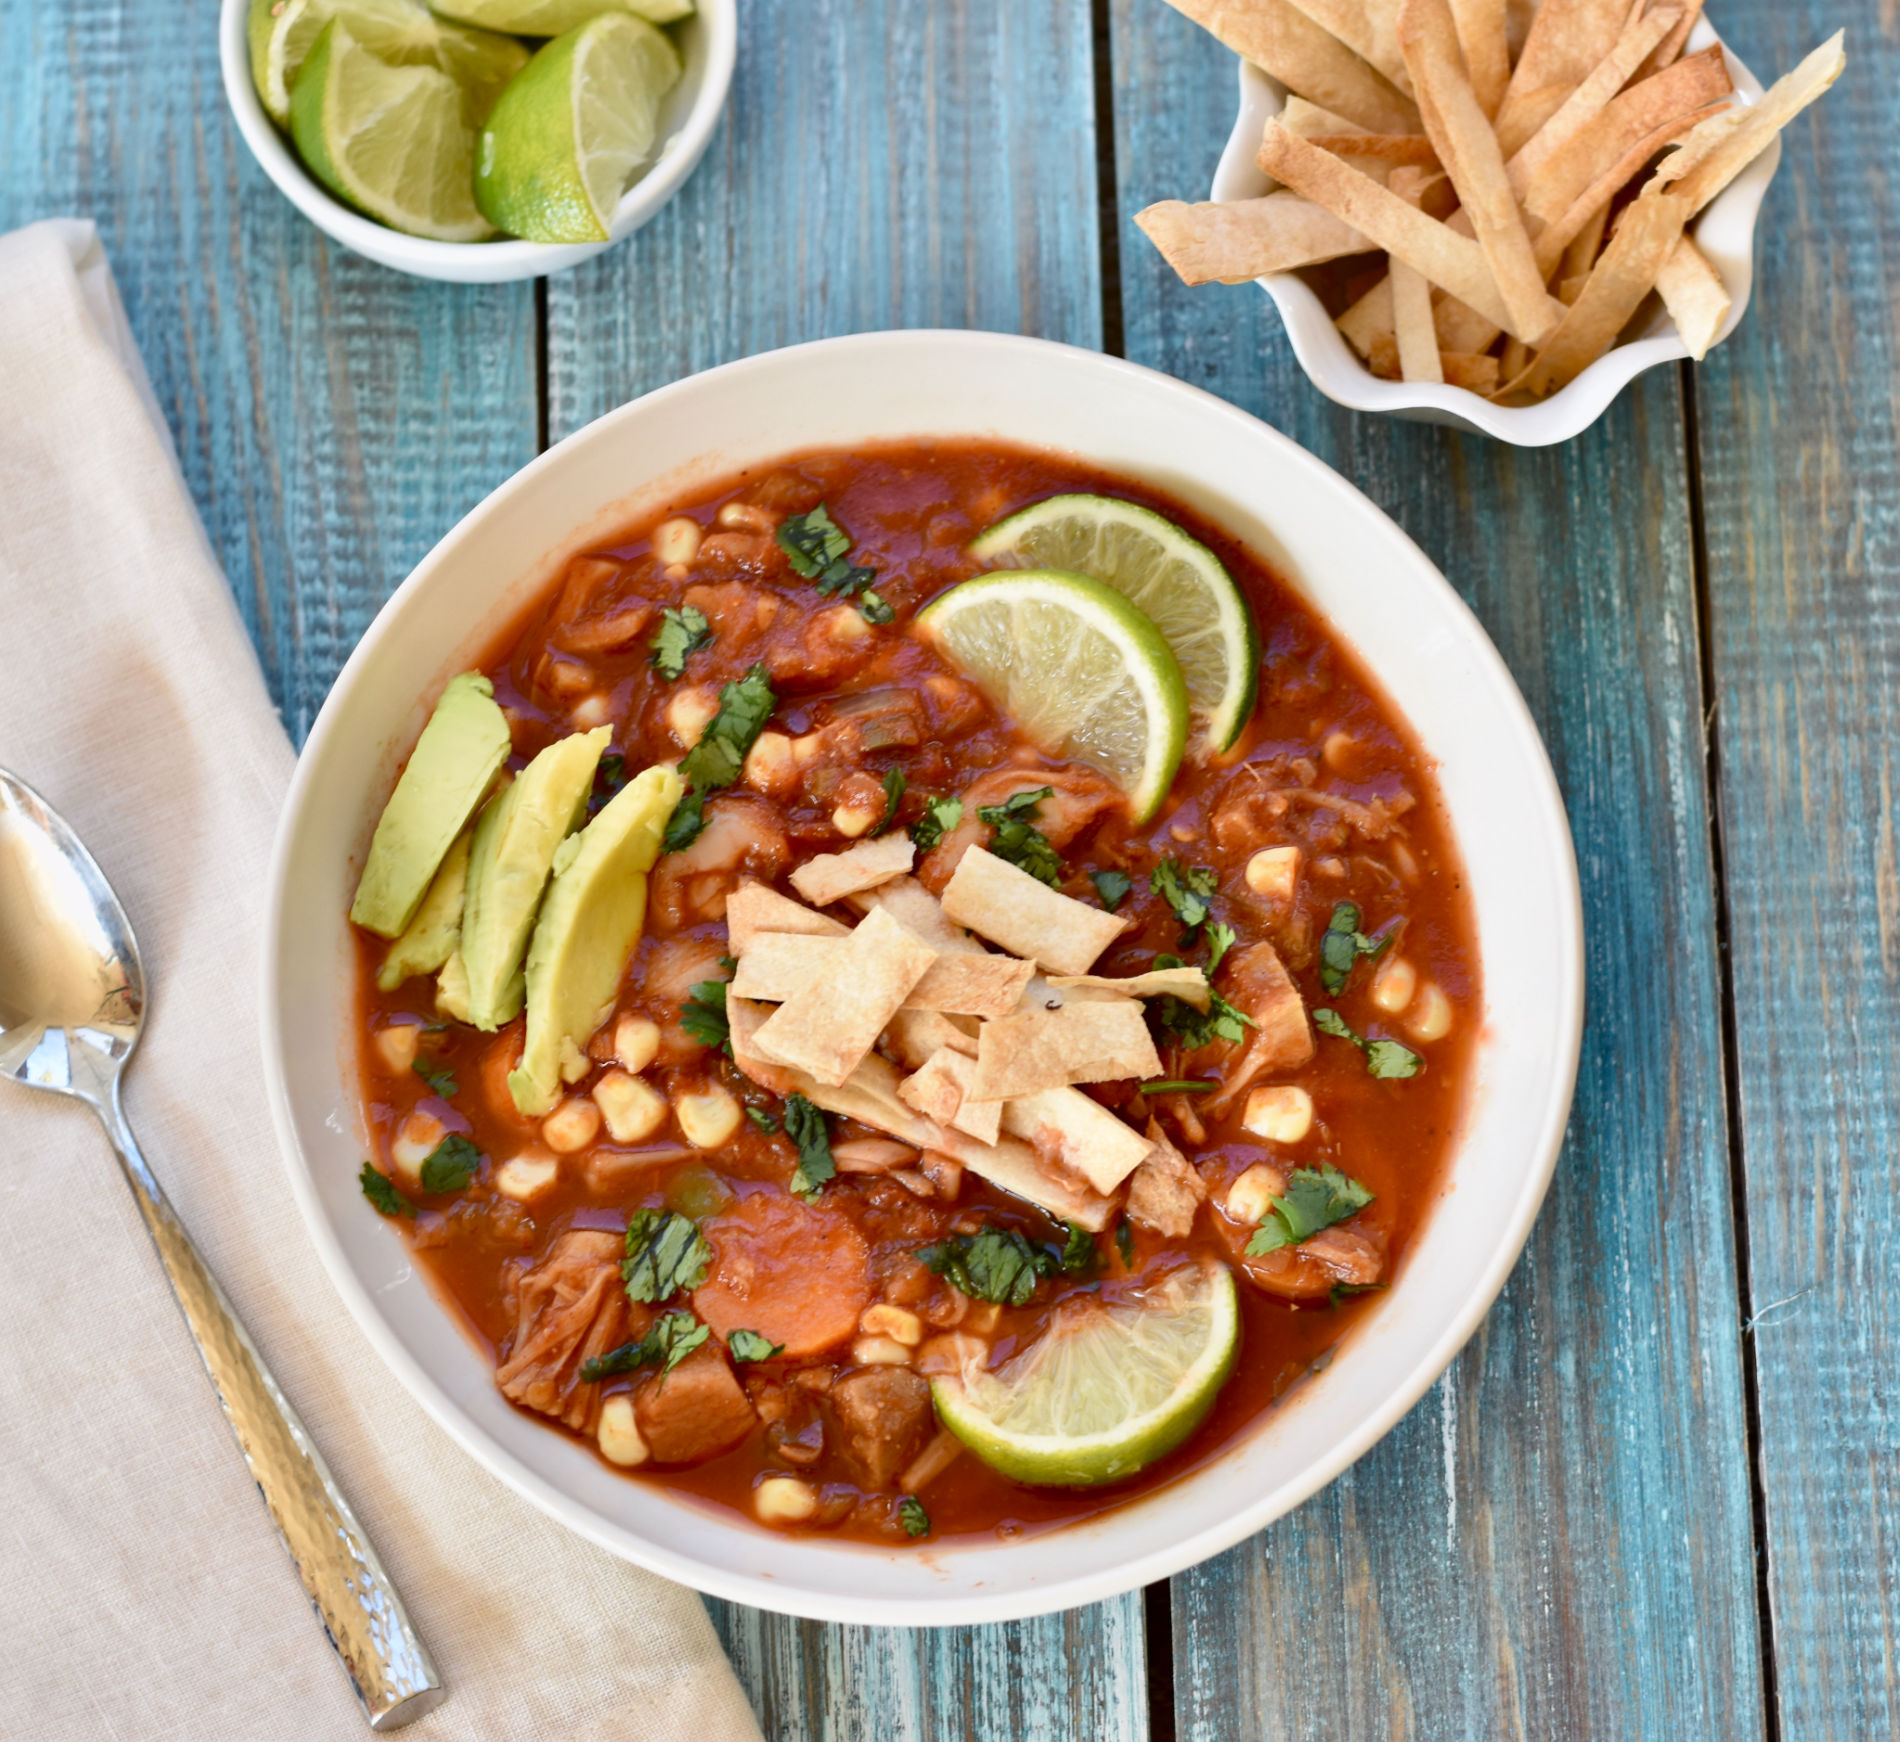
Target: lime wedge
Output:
[
  {"x": 1077, "y": 667},
  {"x": 570, "y": 131},
  {"x": 402, "y": 32},
  {"x": 395, "y": 141},
  {"x": 1107, "y": 1389},
  {"x": 556, "y": 17},
  {"x": 1176, "y": 580}
]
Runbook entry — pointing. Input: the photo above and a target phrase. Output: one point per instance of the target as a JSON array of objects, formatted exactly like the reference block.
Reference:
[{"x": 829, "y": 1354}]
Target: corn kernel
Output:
[
  {"x": 1274, "y": 872},
  {"x": 709, "y": 1118},
  {"x": 591, "y": 711},
  {"x": 850, "y": 821},
  {"x": 1337, "y": 751},
  {"x": 769, "y": 764},
  {"x": 677, "y": 541},
  {"x": 618, "y": 1435},
  {"x": 1393, "y": 985},
  {"x": 783, "y": 1500},
  {"x": 842, "y": 624},
  {"x": 689, "y": 713},
  {"x": 747, "y": 515},
  {"x": 525, "y": 1177},
  {"x": 634, "y": 1110},
  {"x": 571, "y": 1126},
  {"x": 895, "y": 1322},
  {"x": 396, "y": 1046},
  {"x": 879, "y": 1352},
  {"x": 1282, "y": 1114},
  {"x": 636, "y": 1040},
  {"x": 1251, "y": 1196},
  {"x": 1431, "y": 1014},
  {"x": 807, "y": 745},
  {"x": 414, "y": 1143}
]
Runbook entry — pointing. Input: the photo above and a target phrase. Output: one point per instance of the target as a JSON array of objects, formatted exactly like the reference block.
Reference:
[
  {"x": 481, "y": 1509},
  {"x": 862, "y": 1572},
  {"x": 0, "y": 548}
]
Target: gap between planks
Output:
[{"x": 1731, "y": 1053}]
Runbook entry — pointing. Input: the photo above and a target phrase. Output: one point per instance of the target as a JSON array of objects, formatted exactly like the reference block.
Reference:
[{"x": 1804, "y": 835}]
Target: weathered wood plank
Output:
[
  {"x": 1801, "y": 497},
  {"x": 880, "y": 165},
  {"x": 333, "y": 419},
  {"x": 1557, "y": 1541}
]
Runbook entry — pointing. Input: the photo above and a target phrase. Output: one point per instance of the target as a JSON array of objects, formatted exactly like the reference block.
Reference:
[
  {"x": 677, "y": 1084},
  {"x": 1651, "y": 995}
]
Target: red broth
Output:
[{"x": 1325, "y": 765}]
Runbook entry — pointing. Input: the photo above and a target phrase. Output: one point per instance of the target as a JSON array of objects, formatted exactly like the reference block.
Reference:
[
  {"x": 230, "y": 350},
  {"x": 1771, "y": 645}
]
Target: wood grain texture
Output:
[
  {"x": 1796, "y": 422},
  {"x": 333, "y": 418},
  {"x": 1556, "y": 1542},
  {"x": 880, "y": 165}
]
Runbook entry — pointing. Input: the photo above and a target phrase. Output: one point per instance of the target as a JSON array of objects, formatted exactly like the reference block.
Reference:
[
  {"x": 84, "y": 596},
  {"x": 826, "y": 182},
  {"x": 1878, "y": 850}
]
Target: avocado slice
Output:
[
  {"x": 588, "y": 927},
  {"x": 437, "y": 927},
  {"x": 460, "y": 751},
  {"x": 508, "y": 866}
]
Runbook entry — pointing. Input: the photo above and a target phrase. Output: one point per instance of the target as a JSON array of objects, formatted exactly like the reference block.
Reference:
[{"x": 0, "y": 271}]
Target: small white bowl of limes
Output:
[{"x": 483, "y": 140}]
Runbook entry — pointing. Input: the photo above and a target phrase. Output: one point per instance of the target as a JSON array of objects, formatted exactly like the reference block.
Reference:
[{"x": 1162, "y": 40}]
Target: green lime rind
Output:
[
  {"x": 1107, "y": 1389},
  {"x": 281, "y": 34},
  {"x": 569, "y": 132},
  {"x": 556, "y": 17},
  {"x": 1077, "y": 667},
  {"x": 394, "y": 141},
  {"x": 1176, "y": 580}
]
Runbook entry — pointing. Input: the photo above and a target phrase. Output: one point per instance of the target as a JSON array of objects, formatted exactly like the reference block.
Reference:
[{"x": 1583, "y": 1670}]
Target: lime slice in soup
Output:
[
  {"x": 401, "y": 32},
  {"x": 552, "y": 17},
  {"x": 1175, "y": 580},
  {"x": 1109, "y": 1386},
  {"x": 568, "y": 134},
  {"x": 395, "y": 141},
  {"x": 1075, "y": 665}
]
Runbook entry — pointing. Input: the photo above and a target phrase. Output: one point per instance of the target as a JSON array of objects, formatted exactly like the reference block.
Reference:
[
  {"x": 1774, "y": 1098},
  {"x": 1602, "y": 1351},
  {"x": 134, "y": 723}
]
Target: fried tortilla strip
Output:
[
  {"x": 774, "y": 966},
  {"x": 1449, "y": 260},
  {"x": 1580, "y": 253},
  {"x": 743, "y": 1020},
  {"x": 1283, "y": 42},
  {"x": 1415, "y": 343},
  {"x": 1370, "y": 28},
  {"x": 1370, "y": 318},
  {"x": 1468, "y": 148},
  {"x": 1667, "y": 52},
  {"x": 1083, "y": 1042},
  {"x": 1239, "y": 240},
  {"x": 1475, "y": 370},
  {"x": 919, "y": 912},
  {"x": 1626, "y": 274},
  {"x": 1724, "y": 145},
  {"x": 914, "y": 1035},
  {"x": 1307, "y": 119},
  {"x": 1592, "y": 97},
  {"x": 1567, "y": 38},
  {"x": 831, "y": 877},
  {"x": 1003, "y": 903},
  {"x": 1694, "y": 295},
  {"x": 1486, "y": 48},
  {"x": 1187, "y": 984},
  {"x": 940, "y": 1090},
  {"x": 1413, "y": 148},
  {"x": 752, "y": 908},
  {"x": 1076, "y": 1133},
  {"x": 826, "y": 1027}
]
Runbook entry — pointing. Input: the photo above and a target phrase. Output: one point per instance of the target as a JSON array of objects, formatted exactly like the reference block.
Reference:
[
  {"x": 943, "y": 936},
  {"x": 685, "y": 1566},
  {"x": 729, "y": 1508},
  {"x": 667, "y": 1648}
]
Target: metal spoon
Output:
[{"x": 72, "y": 1002}]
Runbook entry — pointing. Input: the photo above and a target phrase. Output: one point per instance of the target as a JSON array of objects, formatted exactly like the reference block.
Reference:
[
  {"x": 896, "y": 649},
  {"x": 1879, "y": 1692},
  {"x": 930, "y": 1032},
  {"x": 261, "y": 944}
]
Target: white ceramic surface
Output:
[
  {"x": 1369, "y": 579},
  {"x": 708, "y": 44},
  {"x": 1725, "y": 232}
]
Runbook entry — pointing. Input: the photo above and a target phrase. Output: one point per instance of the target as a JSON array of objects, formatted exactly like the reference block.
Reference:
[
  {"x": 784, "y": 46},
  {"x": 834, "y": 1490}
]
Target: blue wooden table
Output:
[{"x": 1656, "y": 1496}]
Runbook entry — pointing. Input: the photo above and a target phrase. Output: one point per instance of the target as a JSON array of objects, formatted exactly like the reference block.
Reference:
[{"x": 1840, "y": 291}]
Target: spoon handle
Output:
[{"x": 387, "y": 1663}]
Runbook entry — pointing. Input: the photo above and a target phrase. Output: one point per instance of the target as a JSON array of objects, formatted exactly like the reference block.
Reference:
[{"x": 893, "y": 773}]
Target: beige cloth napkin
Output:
[{"x": 143, "y": 1592}]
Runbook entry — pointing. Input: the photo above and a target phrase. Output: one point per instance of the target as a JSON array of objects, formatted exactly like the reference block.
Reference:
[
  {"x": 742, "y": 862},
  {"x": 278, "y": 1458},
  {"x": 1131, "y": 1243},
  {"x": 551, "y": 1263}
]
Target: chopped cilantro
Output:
[
  {"x": 912, "y": 1516},
  {"x": 1178, "y": 1086},
  {"x": 1112, "y": 887},
  {"x": 1384, "y": 1058},
  {"x": 670, "y": 1341},
  {"x": 941, "y": 815},
  {"x": 750, "y": 1346},
  {"x": 1125, "y": 1243},
  {"x": 1185, "y": 888},
  {"x": 381, "y": 1191},
  {"x": 610, "y": 775},
  {"x": 1316, "y": 1198},
  {"x": 873, "y": 609},
  {"x": 665, "y": 1253},
  {"x": 715, "y": 761},
  {"x": 1342, "y": 1290},
  {"x": 805, "y": 1126},
  {"x": 681, "y": 634},
  {"x": 815, "y": 545},
  {"x": 997, "y": 1264},
  {"x": 439, "y": 1077},
  {"x": 1220, "y": 939},
  {"x": 766, "y": 1121},
  {"x": 1191, "y": 1028},
  {"x": 451, "y": 1164},
  {"x": 1078, "y": 1249},
  {"x": 1017, "y": 839},
  {"x": 894, "y": 783},
  {"x": 703, "y": 1015},
  {"x": 1343, "y": 945}
]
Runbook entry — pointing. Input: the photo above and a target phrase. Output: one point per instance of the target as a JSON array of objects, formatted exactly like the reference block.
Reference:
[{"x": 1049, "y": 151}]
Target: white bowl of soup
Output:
[{"x": 1388, "y": 763}]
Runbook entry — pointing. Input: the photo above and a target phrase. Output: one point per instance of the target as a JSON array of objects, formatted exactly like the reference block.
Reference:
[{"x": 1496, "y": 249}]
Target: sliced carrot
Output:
[{"x": 797, "y": 1274}]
